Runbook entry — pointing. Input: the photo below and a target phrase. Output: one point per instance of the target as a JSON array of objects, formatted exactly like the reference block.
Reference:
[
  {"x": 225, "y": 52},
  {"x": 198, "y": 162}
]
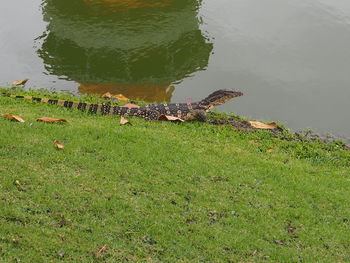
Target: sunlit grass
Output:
[{"x": 165, "y": 192}]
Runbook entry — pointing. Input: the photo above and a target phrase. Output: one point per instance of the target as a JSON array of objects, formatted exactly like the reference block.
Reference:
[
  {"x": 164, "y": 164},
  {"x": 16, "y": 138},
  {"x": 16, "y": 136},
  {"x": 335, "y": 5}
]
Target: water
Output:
[{"x": 290, "y": 57}]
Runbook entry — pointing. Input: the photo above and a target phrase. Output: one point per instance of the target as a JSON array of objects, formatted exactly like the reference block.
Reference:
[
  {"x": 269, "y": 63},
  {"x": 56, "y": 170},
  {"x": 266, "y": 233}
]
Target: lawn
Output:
[{"x": 159, "y": 191}]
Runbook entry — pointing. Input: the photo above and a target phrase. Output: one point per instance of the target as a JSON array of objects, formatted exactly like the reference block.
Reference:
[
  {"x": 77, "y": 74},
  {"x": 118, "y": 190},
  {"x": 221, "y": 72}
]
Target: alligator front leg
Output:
[{"x": 199, "y": 115}]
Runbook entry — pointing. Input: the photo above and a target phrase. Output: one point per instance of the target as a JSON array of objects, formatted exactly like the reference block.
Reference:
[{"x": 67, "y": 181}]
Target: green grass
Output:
[{"x": 166, "y": 192}]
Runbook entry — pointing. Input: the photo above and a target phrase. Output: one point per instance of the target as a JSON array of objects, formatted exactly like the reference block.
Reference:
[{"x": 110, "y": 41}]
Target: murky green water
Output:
[{"x": 291, "y": 58}]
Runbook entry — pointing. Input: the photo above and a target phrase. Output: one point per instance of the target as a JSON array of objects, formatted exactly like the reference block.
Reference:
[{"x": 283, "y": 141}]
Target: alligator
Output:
[{"x": 184, "y": 111}]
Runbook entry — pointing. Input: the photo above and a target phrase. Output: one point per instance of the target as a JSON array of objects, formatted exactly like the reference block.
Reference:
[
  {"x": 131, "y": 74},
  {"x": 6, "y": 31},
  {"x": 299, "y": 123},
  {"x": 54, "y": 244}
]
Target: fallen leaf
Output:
[
  {"x": 18, "y": 185},
  {"x": 279, "y": 242},
  {"x": 21, "y": 82},
  {"x": 164, "y": 117},
  {"x": 270, "y": 151},
  {"x": 107, "y": 95},
  {"x": 260, "y": 125},
  {"x": 124, "y": 121},
  {"x": 58, "y": 145},
  {"x": 13, "y": 117},
  {"x": 120, "y": 97},
  {"x": 46, "y": 119},
  {"x": 130, "y": 105},
  {"x": 100, "y": 251}
]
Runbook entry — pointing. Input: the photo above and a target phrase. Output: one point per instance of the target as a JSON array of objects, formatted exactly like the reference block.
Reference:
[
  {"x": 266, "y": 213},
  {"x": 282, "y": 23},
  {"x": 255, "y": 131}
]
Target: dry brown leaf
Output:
[
  {"x": 124, "y": 121},
  {"x": 270, "y": 151},
  {"x": 47, "y": 119},
  {"x": 279, "y": 242},
  {"x": 260, "y": 125},
  {"x": 58, "y": 145},
  {"x": 13, "y": 117},
  {"x": 21, "y": 82},
  {"x": 121, "y": 97},
  {"x": 164, "y": 117},
  {"x": 101, "y": 250},
  {"x": 130, "y": 105},
  {"x": 107, "y": 95}
]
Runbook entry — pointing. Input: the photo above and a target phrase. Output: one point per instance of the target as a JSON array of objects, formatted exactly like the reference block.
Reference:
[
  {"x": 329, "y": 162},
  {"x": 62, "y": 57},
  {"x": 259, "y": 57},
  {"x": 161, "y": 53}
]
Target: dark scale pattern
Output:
[
  {"x": 135, "y": 111},
  {"x": 68, "y": 104},
  {"x": 151, "y": 115},
  {"x": 36, "y": 99},
  {"x": 116, "y": 110},
  {"x": 82, "y": 106},
  {"x": 52, "y": 101},
  {"x": 156, "y": 107},
  {"x": 20, "y": 97},
  {"x": 105, "y": 109},
  {"x": 93, "y": 108},
  {"x": 123, "y": 111},
  {"x": 174, "y": 107}
]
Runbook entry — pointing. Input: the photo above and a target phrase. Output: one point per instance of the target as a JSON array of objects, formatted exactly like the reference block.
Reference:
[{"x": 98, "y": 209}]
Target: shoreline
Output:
[{"x": 214, "y": 117}]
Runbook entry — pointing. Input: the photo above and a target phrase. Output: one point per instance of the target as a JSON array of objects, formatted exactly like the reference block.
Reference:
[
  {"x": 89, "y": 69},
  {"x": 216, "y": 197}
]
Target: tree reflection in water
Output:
[{"x": 137, "y": 48}]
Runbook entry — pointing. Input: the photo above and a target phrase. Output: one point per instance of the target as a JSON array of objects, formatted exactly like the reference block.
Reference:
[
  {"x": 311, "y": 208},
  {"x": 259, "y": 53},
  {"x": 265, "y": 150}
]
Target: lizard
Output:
[{"x": 184, "y": 111}]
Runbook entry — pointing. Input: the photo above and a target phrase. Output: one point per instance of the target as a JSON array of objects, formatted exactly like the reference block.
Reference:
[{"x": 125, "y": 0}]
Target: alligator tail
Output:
[{"x": 104, "y": 109}]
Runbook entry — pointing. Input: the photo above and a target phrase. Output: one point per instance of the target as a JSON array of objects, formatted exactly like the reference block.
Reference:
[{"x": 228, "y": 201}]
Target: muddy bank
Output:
[{"x": 280, "y": 132}]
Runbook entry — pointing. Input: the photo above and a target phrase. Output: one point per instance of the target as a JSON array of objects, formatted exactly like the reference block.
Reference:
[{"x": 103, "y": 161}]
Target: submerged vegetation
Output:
[{"x": 166, "y": 192}]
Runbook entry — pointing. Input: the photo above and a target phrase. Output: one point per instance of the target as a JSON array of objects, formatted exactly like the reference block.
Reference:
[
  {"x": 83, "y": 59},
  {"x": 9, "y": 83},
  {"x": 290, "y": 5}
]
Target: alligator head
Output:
[{"x": 219, "y": 97}]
